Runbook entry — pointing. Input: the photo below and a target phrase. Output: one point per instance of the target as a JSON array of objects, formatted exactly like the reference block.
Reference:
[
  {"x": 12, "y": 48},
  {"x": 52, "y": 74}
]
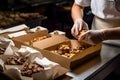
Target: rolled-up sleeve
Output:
[{"x": 83, "y": 3}]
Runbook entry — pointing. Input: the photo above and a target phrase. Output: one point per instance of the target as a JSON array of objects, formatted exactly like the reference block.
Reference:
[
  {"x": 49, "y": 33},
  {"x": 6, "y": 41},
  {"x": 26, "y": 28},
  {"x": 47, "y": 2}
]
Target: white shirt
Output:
[{"x": 104, "y": 9}]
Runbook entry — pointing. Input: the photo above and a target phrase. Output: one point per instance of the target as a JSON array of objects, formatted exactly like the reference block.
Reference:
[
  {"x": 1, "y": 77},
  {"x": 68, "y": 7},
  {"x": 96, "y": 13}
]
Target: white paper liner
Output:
[
  {"x": 8, "y": 44},
  {"x": 24, "y": 50},
  {"x": 34, "y": 29},
  {"x": 17, "y": 34},
  {"x": 2, "y": 63},
  {"x": 5, "y": 40},
  {"x": 59, "y": 32},
  {"x": 16, "y": 28},
  {"x": 47, "y": 64}
]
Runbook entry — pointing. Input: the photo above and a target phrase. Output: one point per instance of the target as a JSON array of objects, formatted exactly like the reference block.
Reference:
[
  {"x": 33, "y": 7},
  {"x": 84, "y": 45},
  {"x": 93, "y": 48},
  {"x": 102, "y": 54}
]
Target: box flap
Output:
[
  {"x": 31, "y": 36},
  {"x": 74, "y": 44},
  {"x": 46, "y": 43},
  {"x": 28, "y": 37},
  {"x": 63, "y": 61}
]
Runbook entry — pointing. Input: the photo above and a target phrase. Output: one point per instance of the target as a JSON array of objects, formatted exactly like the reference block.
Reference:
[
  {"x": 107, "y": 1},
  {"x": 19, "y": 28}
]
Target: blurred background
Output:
[{"x": 52, "y": 14}]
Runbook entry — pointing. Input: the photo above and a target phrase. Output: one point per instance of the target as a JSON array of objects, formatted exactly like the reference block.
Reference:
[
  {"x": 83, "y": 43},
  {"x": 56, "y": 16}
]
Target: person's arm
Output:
[
  {"x": 112, "y": 33},
  {"x": 93, "y": 37},
  {"x": 77, "y": 16},
  {"x": 77, "y": 12}
]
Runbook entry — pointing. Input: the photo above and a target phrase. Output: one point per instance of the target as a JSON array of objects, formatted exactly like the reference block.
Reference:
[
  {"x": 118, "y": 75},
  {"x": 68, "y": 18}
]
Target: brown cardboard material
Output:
[
  {"x": 72, "y": 62},
  {"x": 28, "y": 37},
  {"x": 49, "y": 42}
]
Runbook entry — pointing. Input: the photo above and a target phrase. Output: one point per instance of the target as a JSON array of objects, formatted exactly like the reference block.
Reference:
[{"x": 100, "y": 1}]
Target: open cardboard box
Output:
[
  {"x": 21, "y": 40},
  {"x": 68, "y": 63}
]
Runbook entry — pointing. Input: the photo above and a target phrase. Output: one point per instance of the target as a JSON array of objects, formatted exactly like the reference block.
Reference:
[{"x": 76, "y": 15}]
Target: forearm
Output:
[
  {"x": 112, "y": 33},
  {"x": 76, "y": 12}
]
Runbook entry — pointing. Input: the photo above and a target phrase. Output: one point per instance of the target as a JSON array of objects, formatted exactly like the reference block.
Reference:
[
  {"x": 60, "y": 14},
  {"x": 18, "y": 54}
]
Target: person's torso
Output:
[{"x": 105, "y": 9}]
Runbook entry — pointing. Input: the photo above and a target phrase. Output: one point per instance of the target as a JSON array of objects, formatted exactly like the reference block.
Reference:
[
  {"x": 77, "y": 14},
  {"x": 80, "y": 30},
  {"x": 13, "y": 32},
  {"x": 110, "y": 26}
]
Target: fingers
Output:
[
  {"x": 86, "y": 38},
  {"x": 86, "y": 26},
  {"x": 78, "y": 26},
  {"x": 73, "y": 31},
  {"x": 92, "y": 37}
]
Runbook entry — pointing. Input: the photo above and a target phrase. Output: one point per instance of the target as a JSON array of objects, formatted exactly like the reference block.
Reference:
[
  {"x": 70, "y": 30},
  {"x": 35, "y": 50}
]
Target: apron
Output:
[
  {"x": 99, "y": 23},
  {"x": 110, "y": 48}
]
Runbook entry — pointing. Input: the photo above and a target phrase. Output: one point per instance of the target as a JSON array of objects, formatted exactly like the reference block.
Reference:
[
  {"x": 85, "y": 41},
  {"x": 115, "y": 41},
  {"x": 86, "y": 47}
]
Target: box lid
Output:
[{"x": 49, "y": 42}]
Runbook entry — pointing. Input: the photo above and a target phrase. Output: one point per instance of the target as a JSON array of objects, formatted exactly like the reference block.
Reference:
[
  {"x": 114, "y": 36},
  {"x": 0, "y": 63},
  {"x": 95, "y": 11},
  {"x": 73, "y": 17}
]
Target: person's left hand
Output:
[{"x": 92, "y": 37}]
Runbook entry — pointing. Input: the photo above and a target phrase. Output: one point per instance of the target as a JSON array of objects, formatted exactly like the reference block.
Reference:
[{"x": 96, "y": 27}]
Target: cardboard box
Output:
[
  {"x": 52, "y": 41},
  {"x": 26, "y": 39},
  {"x": 72, "y": 62}
]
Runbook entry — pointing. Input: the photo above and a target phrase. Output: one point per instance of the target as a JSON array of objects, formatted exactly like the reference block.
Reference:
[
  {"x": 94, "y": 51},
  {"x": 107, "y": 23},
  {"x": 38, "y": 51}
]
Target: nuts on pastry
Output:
[
  {"x": 66, "y": 51},
  {"x": 30, "y": 68},
  {"x": 16, "y": 60}
]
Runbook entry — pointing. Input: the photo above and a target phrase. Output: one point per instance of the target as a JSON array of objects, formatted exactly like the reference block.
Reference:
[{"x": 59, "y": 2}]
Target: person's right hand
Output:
[
  {"x": 92, "y": 37},
  {"x": 79, "y": 25}
]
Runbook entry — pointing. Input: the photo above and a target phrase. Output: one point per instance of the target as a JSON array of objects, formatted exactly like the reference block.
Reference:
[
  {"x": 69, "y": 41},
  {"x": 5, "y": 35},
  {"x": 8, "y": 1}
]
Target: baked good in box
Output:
[
  {"x": 82, "y": 31},
  {"x": 31, "y": 68},
  {"x": 66, "y": 51},
  {"x": 82, "y": 43},
  {"x": 36, "y": 39}
]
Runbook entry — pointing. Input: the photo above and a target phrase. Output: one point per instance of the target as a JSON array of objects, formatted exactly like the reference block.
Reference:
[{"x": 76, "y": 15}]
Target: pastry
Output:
[
  {"x": 15, "y": 60},
  {"x": 30, "y": 68}
]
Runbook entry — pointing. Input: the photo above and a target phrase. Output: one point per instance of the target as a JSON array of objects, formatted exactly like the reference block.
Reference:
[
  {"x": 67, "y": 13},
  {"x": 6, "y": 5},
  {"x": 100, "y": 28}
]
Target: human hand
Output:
[
  {"x": 92, "y": 37},
  {"x": 79, "y": 25}
]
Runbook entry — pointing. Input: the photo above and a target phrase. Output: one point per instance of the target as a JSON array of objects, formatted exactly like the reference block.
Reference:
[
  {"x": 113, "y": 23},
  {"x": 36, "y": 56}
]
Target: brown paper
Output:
[
  {"x": 49, "y": 42},
  {"x": 74, "y": 44},
  {"x": 21, "y": 40},
  {"x": 13, "y": 73}
]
